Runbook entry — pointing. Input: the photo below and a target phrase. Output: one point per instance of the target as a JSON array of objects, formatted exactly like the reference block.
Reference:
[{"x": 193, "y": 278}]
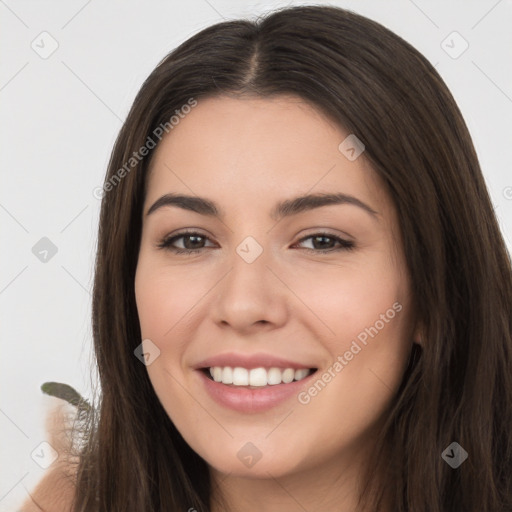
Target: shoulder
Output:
[
  {"x": 54, "y": 493},
  {"x": 56, "y": 489}
]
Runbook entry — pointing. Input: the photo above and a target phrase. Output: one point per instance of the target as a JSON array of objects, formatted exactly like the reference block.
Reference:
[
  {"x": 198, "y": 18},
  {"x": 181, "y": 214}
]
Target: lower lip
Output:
[{"x": 248, "y": 400}]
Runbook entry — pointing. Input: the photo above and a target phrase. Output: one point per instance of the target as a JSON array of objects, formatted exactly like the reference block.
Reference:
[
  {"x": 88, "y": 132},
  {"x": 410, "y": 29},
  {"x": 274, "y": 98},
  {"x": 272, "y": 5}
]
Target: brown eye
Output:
[
  {"x": 192, "y": 242},
  {"x": 323, "y": 243}
]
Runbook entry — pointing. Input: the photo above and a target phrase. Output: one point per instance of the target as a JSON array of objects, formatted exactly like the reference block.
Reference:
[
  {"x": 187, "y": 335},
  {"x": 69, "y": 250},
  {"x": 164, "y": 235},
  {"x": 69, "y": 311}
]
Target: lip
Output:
[
  {"x": 252, "y": 400},
  {"x": 250, "y": 361}
]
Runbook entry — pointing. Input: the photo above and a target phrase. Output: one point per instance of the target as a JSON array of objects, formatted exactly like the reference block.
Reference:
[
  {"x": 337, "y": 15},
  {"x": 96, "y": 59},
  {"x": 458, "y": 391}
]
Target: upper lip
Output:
[{"x": 249, "y": 361}]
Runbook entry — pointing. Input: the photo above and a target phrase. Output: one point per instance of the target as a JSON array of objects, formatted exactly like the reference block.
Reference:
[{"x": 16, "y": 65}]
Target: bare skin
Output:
[
  {"x": 246, "y": 155},
  {"x": 56, "y": 489}
]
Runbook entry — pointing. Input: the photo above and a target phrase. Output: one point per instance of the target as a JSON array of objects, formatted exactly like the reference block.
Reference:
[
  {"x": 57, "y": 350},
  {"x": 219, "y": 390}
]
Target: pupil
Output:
[
  {"x": 320, "y": 238},
  {"x": 192, "y": 237}
]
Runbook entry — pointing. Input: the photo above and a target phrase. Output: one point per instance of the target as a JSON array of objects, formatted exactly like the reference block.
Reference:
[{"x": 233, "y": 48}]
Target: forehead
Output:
[{"x": 246, "y": 149}]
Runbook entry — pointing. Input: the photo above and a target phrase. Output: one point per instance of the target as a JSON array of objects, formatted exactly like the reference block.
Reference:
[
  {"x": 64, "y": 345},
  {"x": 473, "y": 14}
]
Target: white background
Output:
[{"x": 61, "y": 115}]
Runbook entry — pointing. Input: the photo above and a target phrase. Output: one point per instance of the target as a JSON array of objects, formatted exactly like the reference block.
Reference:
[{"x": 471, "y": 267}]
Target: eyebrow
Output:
[{"x": 283, "y": 209}]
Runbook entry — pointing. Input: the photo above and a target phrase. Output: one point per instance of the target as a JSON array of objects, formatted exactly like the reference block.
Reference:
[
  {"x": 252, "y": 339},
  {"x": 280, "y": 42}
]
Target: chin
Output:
[{"x": 245, "y": 460}]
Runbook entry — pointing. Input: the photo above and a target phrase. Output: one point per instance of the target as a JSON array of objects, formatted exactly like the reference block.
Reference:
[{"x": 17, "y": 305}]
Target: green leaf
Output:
[{"x": 65, "y": 392}]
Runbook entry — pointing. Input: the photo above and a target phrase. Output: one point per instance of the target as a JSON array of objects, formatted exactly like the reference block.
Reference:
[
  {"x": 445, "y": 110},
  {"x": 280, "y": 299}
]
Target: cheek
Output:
[
  {"x": 351, "y": 395},
  {"x": 164, "y": 298},
  {"x": 344, "y": 300},
  {"x": 367, "y": 315},
  {"x": 369, "y": 355}
]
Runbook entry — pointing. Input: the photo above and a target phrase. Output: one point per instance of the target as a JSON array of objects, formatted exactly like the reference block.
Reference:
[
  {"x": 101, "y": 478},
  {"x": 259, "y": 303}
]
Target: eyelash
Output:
[{"x": 166, "y": 243}]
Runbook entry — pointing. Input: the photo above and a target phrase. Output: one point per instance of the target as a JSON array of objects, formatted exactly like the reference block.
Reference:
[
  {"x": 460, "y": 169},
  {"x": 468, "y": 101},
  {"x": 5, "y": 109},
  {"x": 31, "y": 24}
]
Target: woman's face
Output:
[{"x": 298, "y": 287}]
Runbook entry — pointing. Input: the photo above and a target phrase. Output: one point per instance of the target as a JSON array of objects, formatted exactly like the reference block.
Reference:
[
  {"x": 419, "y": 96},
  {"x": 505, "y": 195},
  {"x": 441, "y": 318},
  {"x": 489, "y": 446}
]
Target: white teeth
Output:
[
  {"x": 217, "y": 374},
  {"x": 240, "y": 377},
  {"x": 288, "y": 375},
  {"x": 274, "y": 376},
  {"x": 227, "y": 375},
  {"x": 256, "y": 376},
  {"x": 300, "y": 374}
]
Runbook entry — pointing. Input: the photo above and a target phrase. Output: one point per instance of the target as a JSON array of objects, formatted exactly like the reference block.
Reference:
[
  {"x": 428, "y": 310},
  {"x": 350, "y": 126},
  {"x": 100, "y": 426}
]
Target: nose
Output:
[{"x": 251, "y": 297}]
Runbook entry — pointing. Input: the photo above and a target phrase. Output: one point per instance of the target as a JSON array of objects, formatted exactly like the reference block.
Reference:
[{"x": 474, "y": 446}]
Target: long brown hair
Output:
[{"x": 458, "y": 385}]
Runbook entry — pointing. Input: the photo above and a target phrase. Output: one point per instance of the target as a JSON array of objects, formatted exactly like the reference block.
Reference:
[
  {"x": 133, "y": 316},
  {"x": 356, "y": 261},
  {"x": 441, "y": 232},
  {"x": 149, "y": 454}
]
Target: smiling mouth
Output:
[{"x": 256, "y": 378}]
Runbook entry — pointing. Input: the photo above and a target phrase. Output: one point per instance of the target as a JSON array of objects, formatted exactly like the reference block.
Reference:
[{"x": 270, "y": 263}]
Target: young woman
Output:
[{"x": 302, "y": 298}]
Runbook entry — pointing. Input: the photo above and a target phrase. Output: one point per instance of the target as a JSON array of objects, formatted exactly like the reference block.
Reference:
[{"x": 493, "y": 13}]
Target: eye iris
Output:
[
  {"x": 316, "y": 238},
  {"x": 198, "y": 239}
]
